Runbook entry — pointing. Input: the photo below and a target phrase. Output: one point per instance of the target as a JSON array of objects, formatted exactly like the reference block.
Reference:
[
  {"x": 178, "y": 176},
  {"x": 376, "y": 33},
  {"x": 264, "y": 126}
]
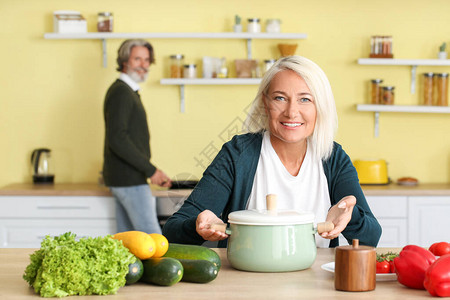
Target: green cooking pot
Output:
[{"x": 272, "y": 240}]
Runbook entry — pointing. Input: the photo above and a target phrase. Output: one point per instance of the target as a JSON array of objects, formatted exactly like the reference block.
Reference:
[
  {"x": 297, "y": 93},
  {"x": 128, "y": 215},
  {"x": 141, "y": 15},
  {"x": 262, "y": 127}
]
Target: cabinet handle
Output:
[{"x": 63, "y": 207}]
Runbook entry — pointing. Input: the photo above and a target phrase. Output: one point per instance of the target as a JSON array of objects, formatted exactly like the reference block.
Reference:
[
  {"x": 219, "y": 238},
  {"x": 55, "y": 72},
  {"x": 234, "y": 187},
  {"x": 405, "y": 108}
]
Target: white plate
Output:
[{"x": 380, "y": 277}]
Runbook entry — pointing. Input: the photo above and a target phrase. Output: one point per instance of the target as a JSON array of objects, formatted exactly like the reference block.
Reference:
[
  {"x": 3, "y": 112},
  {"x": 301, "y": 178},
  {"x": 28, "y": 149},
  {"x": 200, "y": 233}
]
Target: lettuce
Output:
[{"x": 64, "y": 266}]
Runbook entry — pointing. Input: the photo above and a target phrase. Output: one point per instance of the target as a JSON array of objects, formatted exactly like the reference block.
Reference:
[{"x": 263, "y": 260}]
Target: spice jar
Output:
[
  {"x": 253, "y": 26},
  {"x": 190, "y": 71},
  {"x": 176, "y": 66},
  {"x": 387, "y": 95},
  {"x": 376, "y": 91},
  {"x": 105, "y": 22},
  {"x": 273, "y": 25},
  {"x": 268, "y": 63},
  {"x": 428, "y": 91},
  {"x": 442, "y": 89}
]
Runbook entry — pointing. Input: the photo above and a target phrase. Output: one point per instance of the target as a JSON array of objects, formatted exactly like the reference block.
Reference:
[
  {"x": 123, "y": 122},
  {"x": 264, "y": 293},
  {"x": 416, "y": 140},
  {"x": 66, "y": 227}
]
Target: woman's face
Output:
[{"x": 290, "y": 107}]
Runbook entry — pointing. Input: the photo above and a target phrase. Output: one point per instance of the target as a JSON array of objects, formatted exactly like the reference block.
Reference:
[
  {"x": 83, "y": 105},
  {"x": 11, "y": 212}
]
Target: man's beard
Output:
[{"x": 136, "y": 76}]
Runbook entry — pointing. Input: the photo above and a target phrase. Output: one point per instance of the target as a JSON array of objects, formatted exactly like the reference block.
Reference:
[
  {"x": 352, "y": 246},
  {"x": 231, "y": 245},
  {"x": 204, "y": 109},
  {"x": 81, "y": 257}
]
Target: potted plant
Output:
[
  {"x": 442, "y": 54},
  {"x": 237, "y": 24}
]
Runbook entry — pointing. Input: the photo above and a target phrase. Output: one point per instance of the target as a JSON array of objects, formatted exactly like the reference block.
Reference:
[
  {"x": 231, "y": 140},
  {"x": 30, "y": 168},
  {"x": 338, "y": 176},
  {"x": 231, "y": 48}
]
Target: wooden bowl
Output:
[{"x": 287, "y": 49}]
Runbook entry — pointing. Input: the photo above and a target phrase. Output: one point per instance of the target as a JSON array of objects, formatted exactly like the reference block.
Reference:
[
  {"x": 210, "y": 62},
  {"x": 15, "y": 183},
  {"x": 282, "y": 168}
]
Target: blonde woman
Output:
[{"x": 288, "y": 150}]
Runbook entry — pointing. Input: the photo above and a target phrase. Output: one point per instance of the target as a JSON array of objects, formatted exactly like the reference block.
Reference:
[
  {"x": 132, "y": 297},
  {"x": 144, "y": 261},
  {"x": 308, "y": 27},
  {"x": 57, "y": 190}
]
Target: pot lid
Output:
[{"x": 270, "y": 217}]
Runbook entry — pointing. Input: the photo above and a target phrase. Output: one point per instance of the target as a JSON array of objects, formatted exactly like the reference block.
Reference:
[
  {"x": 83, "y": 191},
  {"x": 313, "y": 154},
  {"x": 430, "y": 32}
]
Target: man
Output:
[{"x": 127, "y": 165}]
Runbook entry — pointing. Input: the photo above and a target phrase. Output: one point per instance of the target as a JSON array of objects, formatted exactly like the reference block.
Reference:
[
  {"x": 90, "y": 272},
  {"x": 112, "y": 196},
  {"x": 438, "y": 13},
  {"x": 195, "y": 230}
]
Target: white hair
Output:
[{"x": 325, "y": 128}]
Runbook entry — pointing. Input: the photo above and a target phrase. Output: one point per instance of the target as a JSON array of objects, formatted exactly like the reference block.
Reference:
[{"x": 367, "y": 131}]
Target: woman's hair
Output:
[
  {"x": 123, "y": 54},
  {"x": 322, "y": 138}
]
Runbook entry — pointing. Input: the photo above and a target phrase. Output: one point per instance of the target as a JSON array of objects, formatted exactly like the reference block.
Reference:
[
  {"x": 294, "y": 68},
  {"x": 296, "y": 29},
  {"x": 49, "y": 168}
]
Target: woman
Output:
[{"x": 288, "y": 151}]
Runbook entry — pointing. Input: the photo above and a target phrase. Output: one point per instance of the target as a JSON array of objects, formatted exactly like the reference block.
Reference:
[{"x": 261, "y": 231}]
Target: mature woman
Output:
[{"x": 288, "y": 151}]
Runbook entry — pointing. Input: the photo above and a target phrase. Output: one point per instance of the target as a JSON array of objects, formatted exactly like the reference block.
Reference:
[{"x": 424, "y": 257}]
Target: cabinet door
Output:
[
  {"x": 391, "y": 212},
  {"x": 16, "y": 233},
  {"x": 429, "y": 220}
]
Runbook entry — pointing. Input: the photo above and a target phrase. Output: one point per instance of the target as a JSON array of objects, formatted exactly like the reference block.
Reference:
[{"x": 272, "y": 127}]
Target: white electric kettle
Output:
[{"x": 42, "y": 166}]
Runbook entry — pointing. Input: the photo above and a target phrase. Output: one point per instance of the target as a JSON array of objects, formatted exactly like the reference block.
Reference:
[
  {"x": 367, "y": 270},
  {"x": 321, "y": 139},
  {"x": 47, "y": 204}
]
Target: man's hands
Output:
[{"x": 161, "y": 179}]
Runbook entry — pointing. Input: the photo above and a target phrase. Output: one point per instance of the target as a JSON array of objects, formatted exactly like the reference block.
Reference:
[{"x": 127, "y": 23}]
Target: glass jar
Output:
[
  {"x": 190, "y": 71},
  {"x": 428, "y": 90},
  {"x": 273, "y": 26},
  {"x": 387, "y": 95},
  {"x": 105, "y": 22},
  {"x": 375, "y": 91},
  {"x": 268, "y": 63},
  {"x": 442, "y": 89},
  {"x": 176, "y": 66},
  {"x": 253, "y": 26}
]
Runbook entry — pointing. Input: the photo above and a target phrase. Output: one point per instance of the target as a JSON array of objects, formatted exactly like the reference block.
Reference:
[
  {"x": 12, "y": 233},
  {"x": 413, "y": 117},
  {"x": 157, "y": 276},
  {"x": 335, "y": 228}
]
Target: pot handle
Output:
[
  {"x": 220, "y": 227},
  {"x": 324, "y": 227}
]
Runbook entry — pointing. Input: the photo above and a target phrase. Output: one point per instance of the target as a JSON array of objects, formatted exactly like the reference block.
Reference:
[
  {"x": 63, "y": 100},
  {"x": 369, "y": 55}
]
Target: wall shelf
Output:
[
  {"x": 377, "y": 108},
  {"x": 103, "y": 36},
  {"x": 405, "y": 62},
  {"x": 206, "y": 81}
]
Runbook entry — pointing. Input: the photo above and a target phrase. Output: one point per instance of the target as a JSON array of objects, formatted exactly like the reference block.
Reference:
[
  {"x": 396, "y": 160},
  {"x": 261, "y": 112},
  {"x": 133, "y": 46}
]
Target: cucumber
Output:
[
  {"x": 181, "y": 251},
  {"x": 199, "y": 271},
  {"x": 164, "y": 271},
  {"x": 135, "y": 271}
]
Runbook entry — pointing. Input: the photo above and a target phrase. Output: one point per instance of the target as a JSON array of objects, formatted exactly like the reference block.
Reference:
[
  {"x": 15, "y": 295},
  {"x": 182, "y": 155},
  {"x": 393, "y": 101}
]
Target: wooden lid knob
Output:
[{"x": 271, "y": 202}]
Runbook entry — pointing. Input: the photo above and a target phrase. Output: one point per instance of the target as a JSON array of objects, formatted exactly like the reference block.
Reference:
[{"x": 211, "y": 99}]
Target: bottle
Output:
[
  {"x": 105, "y": 22},
  {"x": 253, "y": 26},
  {"x": 376, "y": 91},
  {"x": 176, "y": 66},
  {"x": 442, "y": 89},
  {"x": 223, "y": 71},
  {"x": 190, "y": 71},
  {"x": 428, "y": 90},
  {"x": 388, "y": 95}
]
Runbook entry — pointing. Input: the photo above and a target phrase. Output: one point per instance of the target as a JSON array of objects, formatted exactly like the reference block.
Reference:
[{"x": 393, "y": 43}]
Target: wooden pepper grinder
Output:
[{"x": 355, "y": 268}]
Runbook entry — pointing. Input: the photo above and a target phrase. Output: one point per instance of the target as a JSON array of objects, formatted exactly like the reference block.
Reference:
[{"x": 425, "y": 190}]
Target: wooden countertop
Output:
[
  {"x": 94, "y": 189},
  {"x": 313, "y": 283},
  {"x": 76, "y": 189}
]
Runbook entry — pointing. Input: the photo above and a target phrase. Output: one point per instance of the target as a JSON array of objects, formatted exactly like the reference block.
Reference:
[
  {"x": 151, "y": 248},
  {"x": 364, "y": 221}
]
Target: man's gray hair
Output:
[{"x": 123, "y": 54}]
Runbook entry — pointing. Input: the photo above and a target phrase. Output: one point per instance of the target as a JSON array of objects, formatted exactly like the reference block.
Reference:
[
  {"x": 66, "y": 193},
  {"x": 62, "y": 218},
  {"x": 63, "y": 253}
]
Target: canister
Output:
[
  {"x": 268, "y": 63},
  {"x": 190, "y": 71},
  {"x": 105, "y": 22},
  {"x": 375, "y": 91},
  {"x": 253, "y": 25},
  {"x": 442, "y": 89},
  {"x": 273, "y": 25},
  {"x": 355, "y": 268},
  {"x": 176, "y": 66},
  {"x": 387, "y": 95},
  {"x": 428, "y": 90}
]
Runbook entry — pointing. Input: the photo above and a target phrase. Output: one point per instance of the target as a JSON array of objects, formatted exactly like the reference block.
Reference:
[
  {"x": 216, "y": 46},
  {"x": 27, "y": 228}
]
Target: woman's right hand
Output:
[{"x": 204, "y": 222}]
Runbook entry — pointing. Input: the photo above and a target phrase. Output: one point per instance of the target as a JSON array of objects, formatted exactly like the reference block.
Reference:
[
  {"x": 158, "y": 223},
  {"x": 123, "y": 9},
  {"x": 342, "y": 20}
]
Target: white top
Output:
[
  {"x": 306, "y": 192},
  {"x": 127, "y": 79}
]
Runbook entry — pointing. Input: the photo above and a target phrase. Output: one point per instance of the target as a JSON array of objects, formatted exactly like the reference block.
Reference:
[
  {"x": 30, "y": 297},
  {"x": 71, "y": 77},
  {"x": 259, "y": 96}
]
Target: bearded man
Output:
[{"x": 127, "y": 169}]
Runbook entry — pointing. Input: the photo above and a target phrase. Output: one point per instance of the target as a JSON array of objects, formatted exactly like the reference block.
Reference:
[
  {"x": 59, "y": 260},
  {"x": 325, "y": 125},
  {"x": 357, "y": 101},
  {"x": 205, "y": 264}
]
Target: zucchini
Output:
[
  {"x": 164, "y": 271},
  {"x": 135, "y": 271},
  {"x": 199, "y": 271},
  {"x": 181, "y": 251}
]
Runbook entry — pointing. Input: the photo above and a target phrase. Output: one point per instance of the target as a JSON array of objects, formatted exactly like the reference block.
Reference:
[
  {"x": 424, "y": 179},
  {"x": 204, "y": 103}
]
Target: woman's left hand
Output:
[{"x": 340, "y": 214}]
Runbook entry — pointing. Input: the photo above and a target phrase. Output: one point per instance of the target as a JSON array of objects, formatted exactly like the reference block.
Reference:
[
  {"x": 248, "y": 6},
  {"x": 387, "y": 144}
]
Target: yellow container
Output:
[{"x": 372, "y": 171}]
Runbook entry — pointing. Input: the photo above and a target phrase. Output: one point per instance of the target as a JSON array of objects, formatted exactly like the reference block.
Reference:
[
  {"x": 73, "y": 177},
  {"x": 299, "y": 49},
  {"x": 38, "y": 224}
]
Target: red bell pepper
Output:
[
  {"x": 437, "y": 277},
  {"x": 440, "y": 249},
  {"x": 412, "y": 264}
]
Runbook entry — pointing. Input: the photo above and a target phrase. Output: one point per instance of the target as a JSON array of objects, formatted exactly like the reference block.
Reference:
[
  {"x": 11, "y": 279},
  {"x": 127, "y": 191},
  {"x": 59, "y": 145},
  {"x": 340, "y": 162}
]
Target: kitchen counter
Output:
[
  {"x": 313, "y": 283},
  {"x": 76, "y": 189},
  {"x": 94, "y": 189}
]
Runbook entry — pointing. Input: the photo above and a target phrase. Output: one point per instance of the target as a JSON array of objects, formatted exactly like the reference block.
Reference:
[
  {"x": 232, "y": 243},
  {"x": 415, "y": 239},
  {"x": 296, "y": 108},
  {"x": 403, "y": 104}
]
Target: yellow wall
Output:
[{"x": 52, "y": 90}]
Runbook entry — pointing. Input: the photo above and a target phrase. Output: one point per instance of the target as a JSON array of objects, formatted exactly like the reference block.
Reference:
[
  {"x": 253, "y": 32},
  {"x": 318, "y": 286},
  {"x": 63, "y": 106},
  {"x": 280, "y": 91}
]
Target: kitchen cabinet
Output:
[
  {"x": 26, "y": 220},
  {"x": 413, "y": 63},
  {"x": 248, "y": 37}
]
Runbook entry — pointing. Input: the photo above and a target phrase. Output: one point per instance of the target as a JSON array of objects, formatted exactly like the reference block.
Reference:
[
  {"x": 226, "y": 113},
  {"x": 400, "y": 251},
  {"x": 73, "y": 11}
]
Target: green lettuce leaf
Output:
[{"x": 65, "y": 266}]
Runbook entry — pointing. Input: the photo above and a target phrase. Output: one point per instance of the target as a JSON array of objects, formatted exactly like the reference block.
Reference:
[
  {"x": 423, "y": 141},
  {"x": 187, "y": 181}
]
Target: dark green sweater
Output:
[
  {"x": 227, "y": 182},
  {"x": 127, "y": 138}
]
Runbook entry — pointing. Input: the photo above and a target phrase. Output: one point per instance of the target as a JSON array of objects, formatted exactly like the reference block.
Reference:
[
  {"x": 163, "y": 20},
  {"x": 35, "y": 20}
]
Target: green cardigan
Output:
[
  {"x": 126, "y": 158},
  {"x": 227, "y": 182}
]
